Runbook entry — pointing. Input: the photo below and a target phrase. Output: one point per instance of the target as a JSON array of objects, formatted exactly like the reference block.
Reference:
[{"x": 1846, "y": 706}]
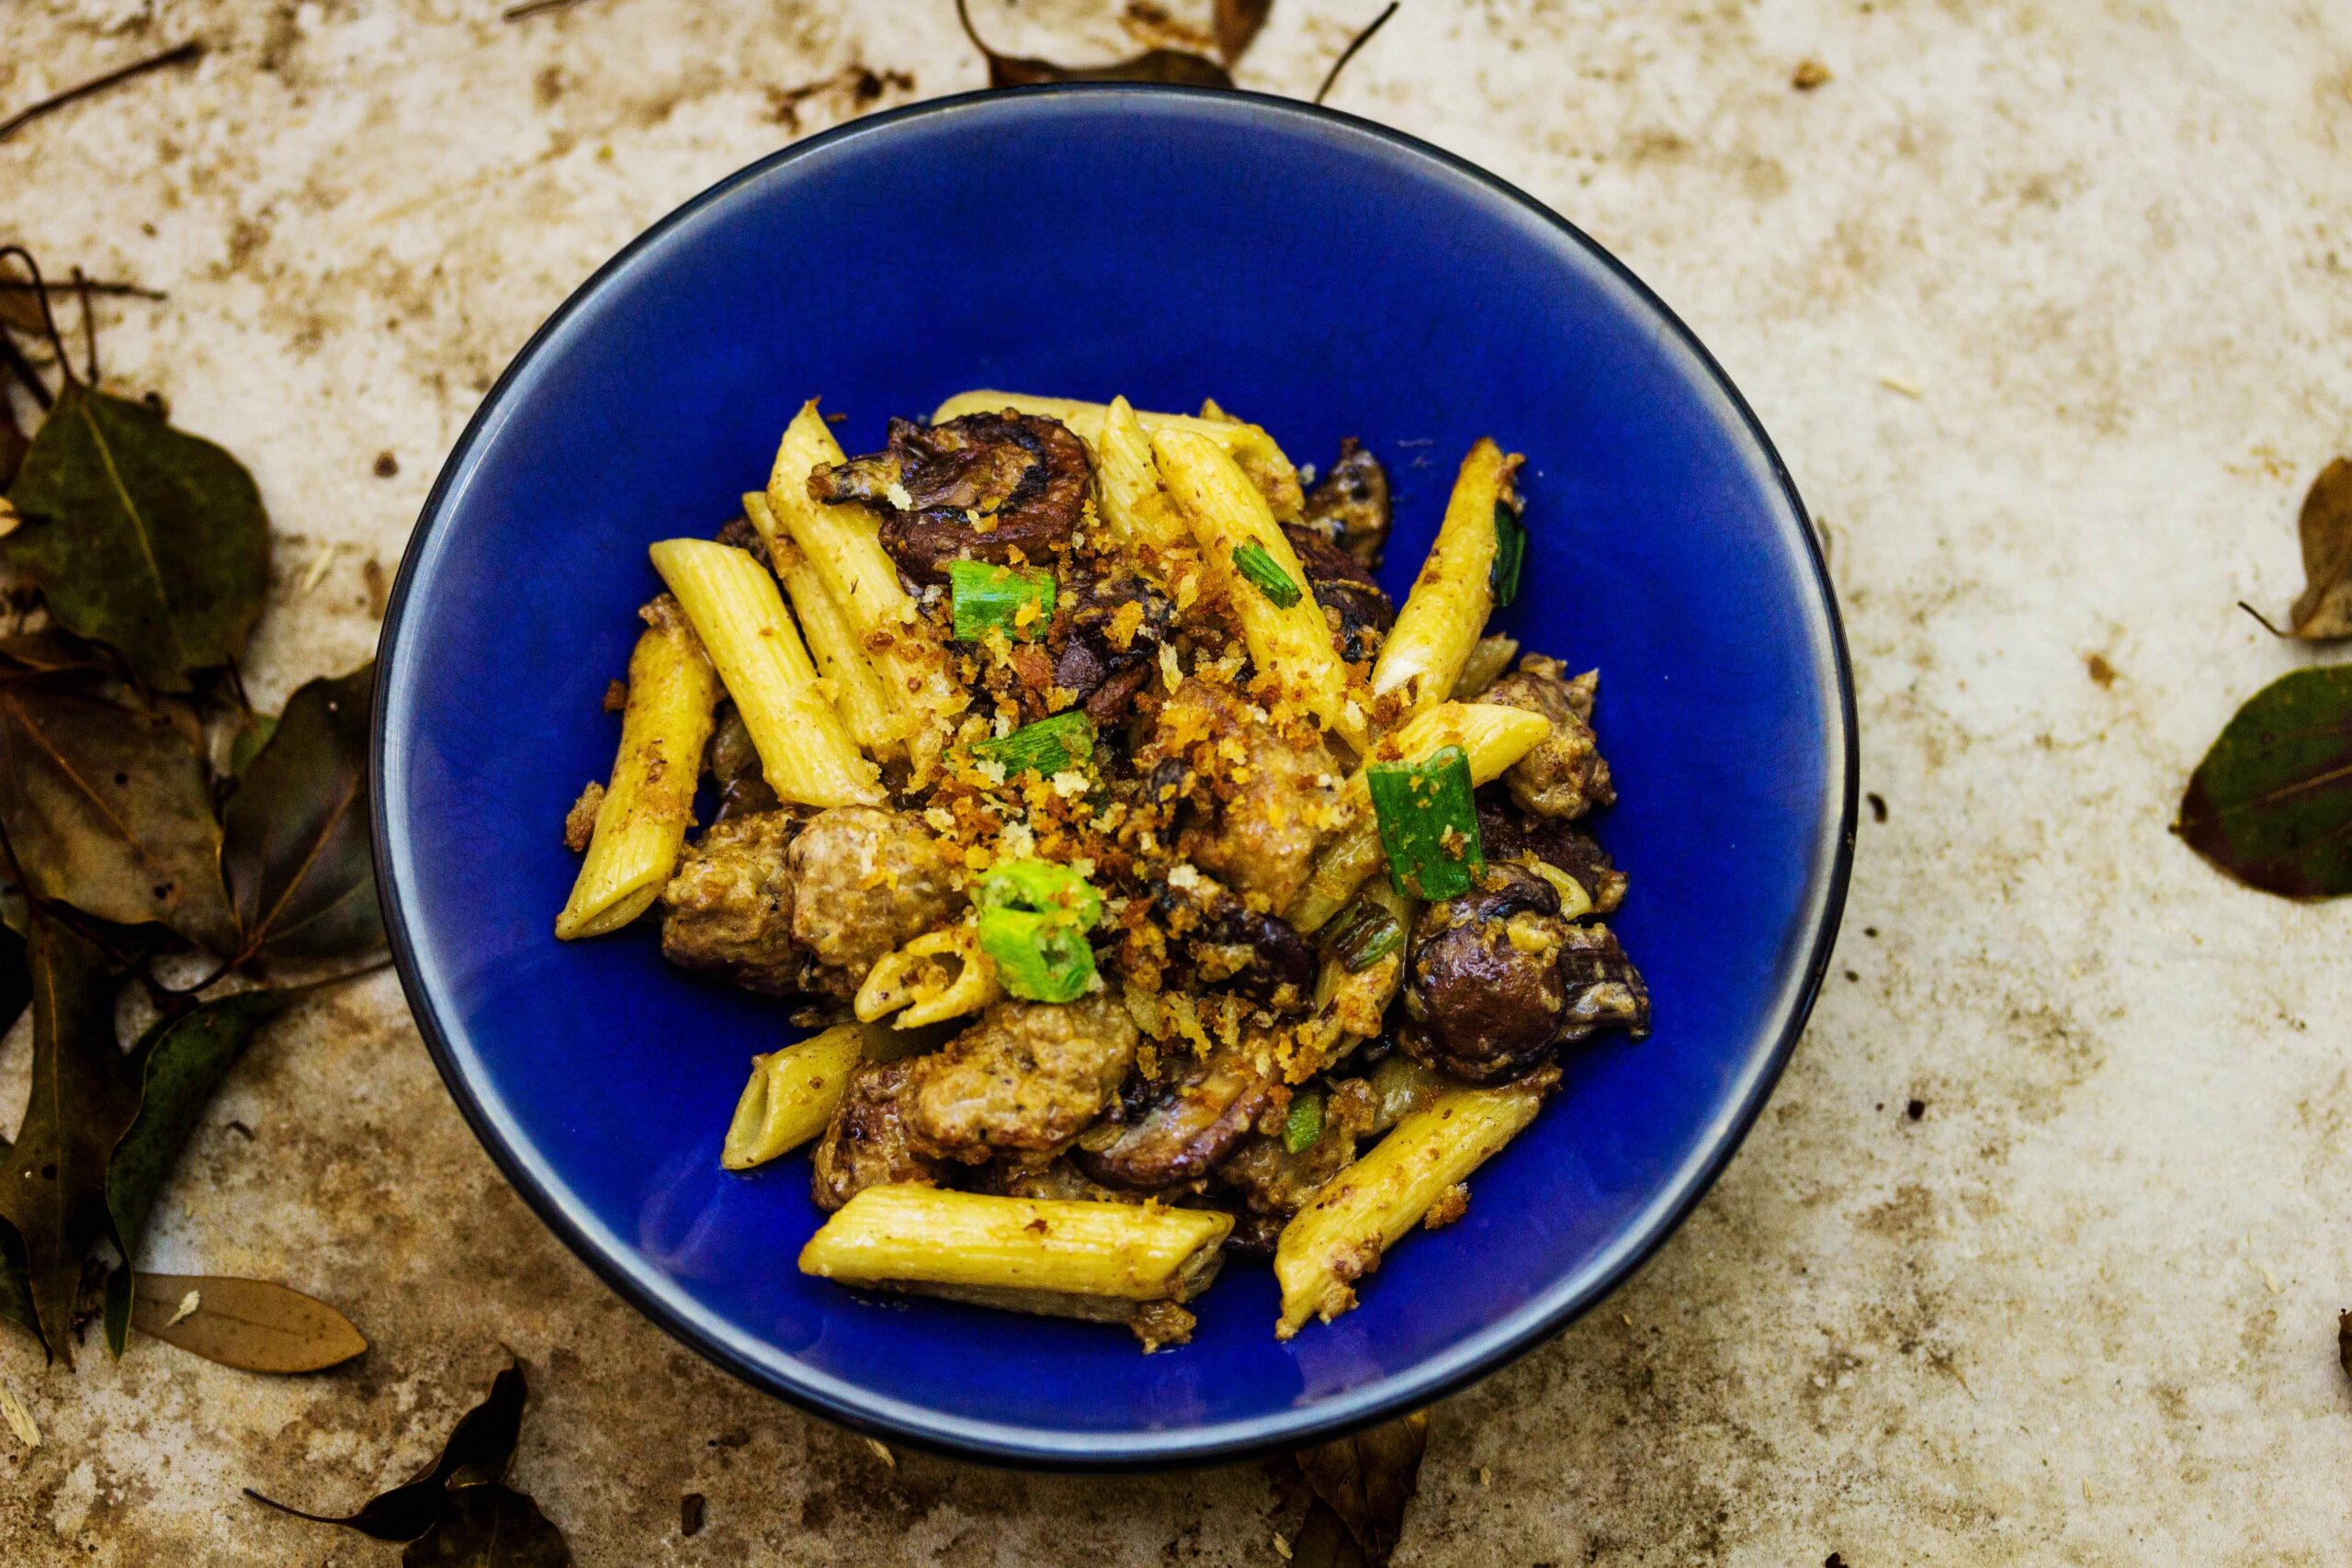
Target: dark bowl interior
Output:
[{"x": 1313, "y": 272}]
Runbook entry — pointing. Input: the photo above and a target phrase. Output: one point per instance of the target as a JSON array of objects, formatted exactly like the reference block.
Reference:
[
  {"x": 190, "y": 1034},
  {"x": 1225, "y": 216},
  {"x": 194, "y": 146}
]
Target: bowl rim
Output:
[{"x": 1530, "y": 1325}]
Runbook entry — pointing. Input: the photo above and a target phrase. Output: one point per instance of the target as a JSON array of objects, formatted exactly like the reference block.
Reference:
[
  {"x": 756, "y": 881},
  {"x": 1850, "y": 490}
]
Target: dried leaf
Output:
[
  {"x": 16, "y": 978},
  {"x": 140, "y": 536},
  {"x": 114, "y": 1311},
  {"x": 13, "y": 444},
  {"x": 302, "y": 874},
  {"x": 2344, "y": 1342},
  {"x": 489, "y": 1525},
  {"x": 180, "y": 1063},
  {"x": 2324, "y": 610},
  {"x": 252, "y": 1324},
  {"x": 1237, "y": 22},
  {"x": 2271, "y": 804},
  {"x": 1153, "y": 65},
  {"x": 1366, "y": 1480},
  {"x": 482, "y": 1444},
  {"x": 20, "y": 1420},
  {"x": 252, "y": 735},
  {"x": 52, "y": 1185},
  {"x": 187, "y": 1309},
  {"x": 107, "y": 807}
]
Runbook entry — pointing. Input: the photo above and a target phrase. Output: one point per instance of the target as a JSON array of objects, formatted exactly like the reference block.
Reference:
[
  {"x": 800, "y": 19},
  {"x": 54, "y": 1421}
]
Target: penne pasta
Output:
[
  {"x": 806, "y": 753},
  {"x": 792, "y": 1093},
  {"x": 1249, "y": 445},
  {"x": 1489, "y": 657},
  {"x": 938, "y": 975},
  {"x": 1493, "y": 735},
  {"x": 856, "y": 689},
  {"x": 842, "y": 542},
  {"x": 649, "y": 805},
  {"x": 1135, "y": 506},
  {"x": 1291, "y": 642},
  {"x": 903, "y": 1234},
  {"x": 1446, "y": 613},
  {"x": 1352, "y": 1005},
  {"x": 1343, "y": 1232}
]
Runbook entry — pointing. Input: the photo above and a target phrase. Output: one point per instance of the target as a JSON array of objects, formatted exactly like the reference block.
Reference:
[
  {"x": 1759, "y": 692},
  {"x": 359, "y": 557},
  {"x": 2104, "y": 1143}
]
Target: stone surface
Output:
[{"x": 2032, "y": 1257}]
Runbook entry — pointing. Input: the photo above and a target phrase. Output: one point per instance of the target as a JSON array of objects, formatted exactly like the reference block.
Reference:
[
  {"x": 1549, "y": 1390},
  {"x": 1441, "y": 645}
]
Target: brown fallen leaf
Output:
[
  {"x": 1361, "y": 1483},
  {"x": 248, "y": 1324},
  {"x": 1237, "y": 22},
  {"x": 1152, "y": 65},
  {"x": 2323, "y": 613}
]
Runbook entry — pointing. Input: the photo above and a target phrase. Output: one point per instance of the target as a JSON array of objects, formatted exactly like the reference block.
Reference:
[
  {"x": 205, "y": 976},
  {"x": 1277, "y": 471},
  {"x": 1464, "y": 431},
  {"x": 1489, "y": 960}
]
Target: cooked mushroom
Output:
[
  {"x": 1565, "y": 775},
  {"x": 1510, "y": 833},
  {"x": 1347, "y": 592},
  {"x": 1603, "y": 987},
  {"x": 1484, "y": 995},
  {"x": 978, "y": 487},
  {"x": 1186, "y": 1129},
  {"x": 865, "y": 1144},
  {"x": 1349, "y": 506}
]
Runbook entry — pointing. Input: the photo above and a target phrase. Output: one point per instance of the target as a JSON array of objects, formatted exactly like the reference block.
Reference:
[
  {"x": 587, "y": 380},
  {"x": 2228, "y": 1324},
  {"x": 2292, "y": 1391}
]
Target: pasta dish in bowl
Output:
[{"x": 1157, "y": 886}]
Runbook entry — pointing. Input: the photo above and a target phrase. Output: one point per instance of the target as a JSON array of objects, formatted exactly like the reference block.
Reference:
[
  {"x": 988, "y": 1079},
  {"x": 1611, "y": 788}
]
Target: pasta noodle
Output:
[
  {"x": 918, "y": 983},
  {"x": 792, "y": 1093},
  {"x": 1343, "y": 1231},
  {"x": 855, "y": 690},
  {"x": 863, "y": 583},
  {"x": 804, "y": 752},
  {"x": 902, "y": 1234},
  {"x": 1291, "y": 642},
  {"x": 1444, "y": 617},
  {"x": 641, "y": 822}
]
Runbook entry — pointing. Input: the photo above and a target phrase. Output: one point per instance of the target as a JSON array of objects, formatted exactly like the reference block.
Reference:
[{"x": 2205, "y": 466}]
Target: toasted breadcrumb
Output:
[{"x": 579, "y": 822}]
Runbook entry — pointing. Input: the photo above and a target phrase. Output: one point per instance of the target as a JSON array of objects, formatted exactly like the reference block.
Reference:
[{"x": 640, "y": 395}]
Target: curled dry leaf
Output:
[
  {"x": 480, "y": 1445},
  {"x": 252, "y": 1324},
  {"x": 140, "y": 536},
  {"x": 1364, "y": 1481},
  {"x": 2323, "y": 613},
  {"x": 489, "y": 1526},
  {"x": 53, "y": 1184},
  {"x": 2271, "y": 804},
  {"x": 1237, "y": 22},
  {"x": 107, "y": 805},
  {"x": 302, "y": 874},
  {"x": 20, "y": 1420},
  {"x": 1172, "y": 66}
]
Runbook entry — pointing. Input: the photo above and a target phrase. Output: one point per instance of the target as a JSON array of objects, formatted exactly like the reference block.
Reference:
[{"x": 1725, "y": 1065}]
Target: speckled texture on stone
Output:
[{"x": 2079, "y": 1308}]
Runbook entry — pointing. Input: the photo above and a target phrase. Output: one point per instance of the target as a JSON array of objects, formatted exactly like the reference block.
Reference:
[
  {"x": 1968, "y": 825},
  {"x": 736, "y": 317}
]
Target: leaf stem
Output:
[
  {"x": 1354, "y": 44},
  {"x": 2261, "y": 619},
  {"x": 535, "y": 8},
  {"x": 47, "y": 315},
  {"x": 89, "y": 328},
  {"x": 185, "y": 54}
]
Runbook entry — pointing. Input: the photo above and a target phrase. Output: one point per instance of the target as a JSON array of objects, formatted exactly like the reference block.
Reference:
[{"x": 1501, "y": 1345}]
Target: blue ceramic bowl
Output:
[{"x": 1324, "y": 277}]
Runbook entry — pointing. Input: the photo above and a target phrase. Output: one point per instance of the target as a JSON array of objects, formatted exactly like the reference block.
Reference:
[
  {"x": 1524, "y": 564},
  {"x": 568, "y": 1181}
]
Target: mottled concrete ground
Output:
[{"x": 2035, "y": 1257}]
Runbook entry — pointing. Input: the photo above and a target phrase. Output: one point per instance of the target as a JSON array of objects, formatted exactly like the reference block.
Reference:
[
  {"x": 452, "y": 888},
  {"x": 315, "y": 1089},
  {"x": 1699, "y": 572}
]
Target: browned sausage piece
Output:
[
  {"x": 865, "y": 1144},
  {"x": 864, "y": 881},
  {"x": 1565, "y": 775},
  {"x": 1025, "y": 1080},
  {"x": 730, "y": 906}
]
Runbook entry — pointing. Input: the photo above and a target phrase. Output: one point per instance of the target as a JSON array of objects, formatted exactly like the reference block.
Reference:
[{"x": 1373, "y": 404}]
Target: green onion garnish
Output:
[
  {"x": 1305, "y": 1123},
  {"x": 1510, "y": 553},
  {"x": 1039, "y": 958},
  {"x": 1047, "y": 745},
  {"x": 1365, "y": 935},
  {"x": 1252, "y": 562},
  {"x": 1428, "y": 824},
  {"x": 1033, "y": 918},
  {"x": 1039, "y": 887},
  {"x": 985, "y": 597}
]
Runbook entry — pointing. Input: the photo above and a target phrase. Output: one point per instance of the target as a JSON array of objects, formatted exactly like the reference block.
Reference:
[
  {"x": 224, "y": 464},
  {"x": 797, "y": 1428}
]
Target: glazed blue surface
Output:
[{"x": 1315, "y": 274}]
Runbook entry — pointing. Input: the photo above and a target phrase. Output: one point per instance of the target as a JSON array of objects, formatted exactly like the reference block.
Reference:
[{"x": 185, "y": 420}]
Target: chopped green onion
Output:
[
  {"x": 1047, "y": 745},
  {"x": 1305, "y": 1123},
  {"x": 985, "y": 597},
  {"x": 1039, "y": 958},
  {"x": 1365, "y": 935},
  {"x": 1510, "y": 553},
  {"x": 1252, "y": 562},
  {"x": 1040, "y": 887},
  {"x": 1428, "y": 824}
]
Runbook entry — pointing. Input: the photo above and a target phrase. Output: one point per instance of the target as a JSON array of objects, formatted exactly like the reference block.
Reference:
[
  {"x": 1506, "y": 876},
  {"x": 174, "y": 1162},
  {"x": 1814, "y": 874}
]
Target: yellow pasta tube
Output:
[
  {"x": 1446, "y": 611},
  {"x": 1489, "y": 657},
  {"x": 938, "y": 975},
  {"x": 1268, "y": 467},
  {"x": 843, "y": 544},
  {"x": 1292, "y": 642},
  {"x": 1343, "y": 1232},
  {"x": 1135, "y": 506},
  {"x": 732, "y": 600},
  {"x": 792, "y": 1093},
  {"x": 856, "y": 689},
  {"x": 1493, "y": 735},
  {"x": 909, "y": 1234},
  {"x": 641, "y": 822}
]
